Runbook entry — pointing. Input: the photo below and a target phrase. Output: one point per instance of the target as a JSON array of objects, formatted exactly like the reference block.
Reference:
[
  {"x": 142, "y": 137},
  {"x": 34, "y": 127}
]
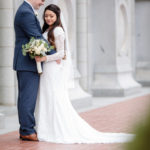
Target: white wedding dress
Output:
[{"x": 56, "y": 119}]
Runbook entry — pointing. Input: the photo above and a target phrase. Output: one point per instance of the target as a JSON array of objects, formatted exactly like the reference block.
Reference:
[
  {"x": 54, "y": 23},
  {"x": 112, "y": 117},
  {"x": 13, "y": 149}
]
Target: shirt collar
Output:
[{"x": 31, "y": 6}]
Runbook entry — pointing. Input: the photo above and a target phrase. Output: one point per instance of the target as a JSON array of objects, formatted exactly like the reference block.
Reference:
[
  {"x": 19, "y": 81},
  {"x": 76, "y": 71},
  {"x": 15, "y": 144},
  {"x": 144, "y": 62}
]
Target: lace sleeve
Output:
[{"x": 59, "y": 42}]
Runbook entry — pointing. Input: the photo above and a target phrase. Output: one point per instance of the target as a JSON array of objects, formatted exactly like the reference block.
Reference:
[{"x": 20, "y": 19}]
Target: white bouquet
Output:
[{"x": 36, "y": 47}]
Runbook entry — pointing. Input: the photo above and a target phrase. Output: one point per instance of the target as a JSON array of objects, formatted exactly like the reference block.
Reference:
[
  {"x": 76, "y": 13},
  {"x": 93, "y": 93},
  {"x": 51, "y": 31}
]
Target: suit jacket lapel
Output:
[{"x": 38, "y": 23}]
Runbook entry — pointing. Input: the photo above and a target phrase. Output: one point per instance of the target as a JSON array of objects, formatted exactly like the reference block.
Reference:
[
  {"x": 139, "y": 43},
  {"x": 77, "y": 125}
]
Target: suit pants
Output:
[{"x": 28, "y": 83}]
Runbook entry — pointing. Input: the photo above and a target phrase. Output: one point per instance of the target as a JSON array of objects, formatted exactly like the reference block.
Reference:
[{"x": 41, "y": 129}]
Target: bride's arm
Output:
[{"x": 59, "y": 42}]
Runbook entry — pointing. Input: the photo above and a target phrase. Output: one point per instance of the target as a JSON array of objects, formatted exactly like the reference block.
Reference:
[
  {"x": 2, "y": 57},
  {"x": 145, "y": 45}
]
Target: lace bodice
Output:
[{"x": 59, "y": 36}]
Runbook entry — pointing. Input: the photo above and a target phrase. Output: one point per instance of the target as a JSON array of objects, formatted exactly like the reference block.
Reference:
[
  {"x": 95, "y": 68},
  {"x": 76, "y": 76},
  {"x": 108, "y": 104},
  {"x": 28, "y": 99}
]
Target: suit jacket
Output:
[{"x": 26, "y": 26}]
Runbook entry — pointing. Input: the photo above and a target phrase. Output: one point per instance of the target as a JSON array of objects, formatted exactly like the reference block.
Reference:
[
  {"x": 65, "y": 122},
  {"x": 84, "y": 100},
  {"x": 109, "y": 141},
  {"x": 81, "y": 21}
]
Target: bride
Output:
[{"x": 56, "y": 119}]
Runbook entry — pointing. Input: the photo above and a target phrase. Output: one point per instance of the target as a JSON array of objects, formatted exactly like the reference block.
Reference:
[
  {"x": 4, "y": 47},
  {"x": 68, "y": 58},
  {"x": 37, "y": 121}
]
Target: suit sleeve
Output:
[{"x": 29, "y": 24}]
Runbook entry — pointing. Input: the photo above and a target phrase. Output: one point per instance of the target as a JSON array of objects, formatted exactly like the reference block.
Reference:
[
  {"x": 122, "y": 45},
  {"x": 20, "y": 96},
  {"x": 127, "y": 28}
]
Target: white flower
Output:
[
  {"x": 36, "y": 13},
  {"x": 37, "y": 50},
  {"x": 41, "y": 47},
  {"x": 45, "y": 49},
  {"x": 30, "y": 50}
]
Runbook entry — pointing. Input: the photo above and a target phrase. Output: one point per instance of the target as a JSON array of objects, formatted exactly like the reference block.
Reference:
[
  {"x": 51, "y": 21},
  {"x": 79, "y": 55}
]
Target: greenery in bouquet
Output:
[{"x": 36, "y": 47}]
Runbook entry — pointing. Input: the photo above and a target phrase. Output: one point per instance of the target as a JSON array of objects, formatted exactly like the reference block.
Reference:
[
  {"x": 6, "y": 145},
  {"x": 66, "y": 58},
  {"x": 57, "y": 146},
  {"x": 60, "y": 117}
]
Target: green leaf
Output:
[
  {"x": 51, "y": 47},
  {"x": 32, "y": 39},
  {"x": 24, "y": 52},
  {"x": 46, "y": 45},
  {"x": 32, "y": 56},
  {"x": 40, "y": 42}
]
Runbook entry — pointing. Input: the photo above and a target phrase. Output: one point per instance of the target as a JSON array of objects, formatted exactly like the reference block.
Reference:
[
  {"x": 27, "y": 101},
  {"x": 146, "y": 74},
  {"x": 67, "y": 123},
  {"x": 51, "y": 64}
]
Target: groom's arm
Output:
[{"x": 29, "y": 25}]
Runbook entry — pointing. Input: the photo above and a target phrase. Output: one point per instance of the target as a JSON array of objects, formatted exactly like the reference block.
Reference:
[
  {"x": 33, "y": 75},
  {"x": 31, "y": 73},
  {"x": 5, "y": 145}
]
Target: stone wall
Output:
[{"x": 7, "y": 77}]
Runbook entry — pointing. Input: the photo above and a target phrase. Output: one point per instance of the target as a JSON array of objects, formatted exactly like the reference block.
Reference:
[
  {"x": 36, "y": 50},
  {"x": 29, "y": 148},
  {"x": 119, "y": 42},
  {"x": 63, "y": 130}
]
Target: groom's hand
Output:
[{"x": 40, "y": 59}]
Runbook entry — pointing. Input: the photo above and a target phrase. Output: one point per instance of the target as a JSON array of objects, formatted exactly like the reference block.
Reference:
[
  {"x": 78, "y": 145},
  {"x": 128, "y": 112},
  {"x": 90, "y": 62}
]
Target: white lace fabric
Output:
[{"x": 59, "y": 42}]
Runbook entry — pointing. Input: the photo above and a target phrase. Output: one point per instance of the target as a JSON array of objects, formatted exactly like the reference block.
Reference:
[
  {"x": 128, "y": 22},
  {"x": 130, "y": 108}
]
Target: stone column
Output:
[
  {"x": 113, "y": 44},
  {"x": 82, "y": 41},
  {"x": 7, "y": 77},
  {"x": 90, "y": 46},
  {"x": 2, "y": 120},
  {"x": 78, "y": 96},
  {"x": 142, "y": 42}
]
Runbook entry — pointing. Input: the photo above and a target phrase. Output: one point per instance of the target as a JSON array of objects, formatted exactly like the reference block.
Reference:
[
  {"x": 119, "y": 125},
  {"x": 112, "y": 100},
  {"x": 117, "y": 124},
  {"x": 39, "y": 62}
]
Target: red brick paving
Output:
[{"x": 118, "y": 117}]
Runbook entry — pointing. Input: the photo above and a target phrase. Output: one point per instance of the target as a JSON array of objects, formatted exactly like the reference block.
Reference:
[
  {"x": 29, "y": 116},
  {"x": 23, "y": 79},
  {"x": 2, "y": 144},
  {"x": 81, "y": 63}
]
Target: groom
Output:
[{"x": 26, "y": 26}]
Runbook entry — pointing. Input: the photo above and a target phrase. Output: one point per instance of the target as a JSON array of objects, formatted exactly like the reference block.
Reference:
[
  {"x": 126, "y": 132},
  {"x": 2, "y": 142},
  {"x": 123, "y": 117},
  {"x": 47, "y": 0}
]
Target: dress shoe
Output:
[{"x": 31, "y": 137}]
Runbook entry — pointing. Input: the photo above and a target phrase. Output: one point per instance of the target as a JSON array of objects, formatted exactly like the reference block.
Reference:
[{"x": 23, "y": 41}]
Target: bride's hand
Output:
[
  {"x": 58, "y": 61},
  {"x": 40, "y": 59}
]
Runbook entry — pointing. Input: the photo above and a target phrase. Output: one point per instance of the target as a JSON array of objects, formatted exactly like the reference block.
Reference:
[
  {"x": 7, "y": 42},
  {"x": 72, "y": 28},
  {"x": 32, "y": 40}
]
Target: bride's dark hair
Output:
[{"x": 57, "y": 11}]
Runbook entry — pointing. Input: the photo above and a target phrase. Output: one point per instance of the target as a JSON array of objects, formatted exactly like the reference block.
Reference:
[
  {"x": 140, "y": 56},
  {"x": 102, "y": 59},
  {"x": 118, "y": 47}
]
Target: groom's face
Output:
[{"x": 38, "y": 3}]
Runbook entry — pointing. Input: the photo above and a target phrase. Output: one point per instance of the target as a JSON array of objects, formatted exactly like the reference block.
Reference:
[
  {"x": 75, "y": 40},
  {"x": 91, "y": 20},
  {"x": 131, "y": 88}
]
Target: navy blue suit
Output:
[{"x": 26, "y": 26}]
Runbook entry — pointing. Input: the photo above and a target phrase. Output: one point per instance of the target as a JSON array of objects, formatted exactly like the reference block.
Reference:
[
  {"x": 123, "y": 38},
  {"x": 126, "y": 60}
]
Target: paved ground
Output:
[
  {"x": 10, "y": 122},
  {"x": 118, "y": 117}
]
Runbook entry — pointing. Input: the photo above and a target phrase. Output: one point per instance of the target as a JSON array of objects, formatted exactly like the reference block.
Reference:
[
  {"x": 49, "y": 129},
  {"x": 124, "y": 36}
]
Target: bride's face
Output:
[{"x": 50, "y": 17}]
